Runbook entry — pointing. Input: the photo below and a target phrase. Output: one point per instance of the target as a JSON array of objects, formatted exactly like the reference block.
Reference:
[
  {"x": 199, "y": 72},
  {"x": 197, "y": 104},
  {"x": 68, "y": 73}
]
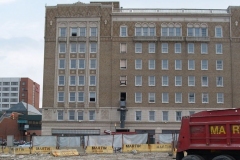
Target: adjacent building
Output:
[
  {"x": 111, "y": 68},
  {"x": 15, "y": 90}
]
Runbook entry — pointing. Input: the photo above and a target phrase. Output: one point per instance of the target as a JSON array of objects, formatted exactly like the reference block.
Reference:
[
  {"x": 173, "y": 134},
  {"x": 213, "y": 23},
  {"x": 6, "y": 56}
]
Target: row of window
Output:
[
  {"x": 8, "y": 99},
  {"x": 78, "y": 47},
  {"x": 8, "y": 94},
  {"x": 73, "y": 80},
  {"x": 8, "y": 83},
  {"x": 78, "y": 31},
  {"x": 79, "y": 115},
  {"x": 178, "y": 81},
  {"x": 6, "y": 105},
  {"x": 77, "y": 63},
  {"x": 8, "y": 88},
  {"x": 165, "y": 64},
  {"x": 177, "y": 48},
  {"x": 77, "y": 96},
  {"x": 172, "y": 31}
]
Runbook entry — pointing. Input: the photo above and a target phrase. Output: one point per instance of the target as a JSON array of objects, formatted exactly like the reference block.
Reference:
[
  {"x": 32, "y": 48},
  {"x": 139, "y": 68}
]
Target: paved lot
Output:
[{"x": 115, "y": 156}]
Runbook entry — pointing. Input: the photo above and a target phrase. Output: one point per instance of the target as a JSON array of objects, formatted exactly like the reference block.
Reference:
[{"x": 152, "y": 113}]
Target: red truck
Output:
[{"x": 210, "y": 135}]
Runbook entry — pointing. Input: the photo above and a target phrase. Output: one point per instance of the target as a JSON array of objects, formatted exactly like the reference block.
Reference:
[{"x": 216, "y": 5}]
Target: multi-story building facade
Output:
[
  {"x": 15, "y": 90},
  {"x": 136, "y": 69}
]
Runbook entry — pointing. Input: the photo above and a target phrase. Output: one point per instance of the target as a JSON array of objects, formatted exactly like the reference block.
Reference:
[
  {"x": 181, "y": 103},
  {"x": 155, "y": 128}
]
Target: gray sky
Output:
[{"x": 22, "y": 30}]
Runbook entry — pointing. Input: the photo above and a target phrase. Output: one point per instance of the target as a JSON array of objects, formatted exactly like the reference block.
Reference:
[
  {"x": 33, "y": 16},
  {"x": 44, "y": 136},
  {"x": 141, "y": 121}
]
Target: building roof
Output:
[{"x": 22, "y": 107}]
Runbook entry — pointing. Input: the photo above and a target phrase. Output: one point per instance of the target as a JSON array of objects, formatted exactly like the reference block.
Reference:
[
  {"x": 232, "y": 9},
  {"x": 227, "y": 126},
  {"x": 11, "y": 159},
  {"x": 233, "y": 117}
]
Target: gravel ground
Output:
[{"x": 114, "y": 156}]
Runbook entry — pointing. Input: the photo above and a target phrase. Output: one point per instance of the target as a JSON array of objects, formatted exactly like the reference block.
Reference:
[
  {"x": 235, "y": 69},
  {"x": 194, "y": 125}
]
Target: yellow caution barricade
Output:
[
  {"x": 5, "y": 149},
  {"x": 64, "y": 152},
  {"x": 42, "y": 150},
  {"x": 137, "y": 147},
  {"x": 99, "y": 149},
  {"x": 161, "y": 147},
  {"x": 20, "y": 150}
]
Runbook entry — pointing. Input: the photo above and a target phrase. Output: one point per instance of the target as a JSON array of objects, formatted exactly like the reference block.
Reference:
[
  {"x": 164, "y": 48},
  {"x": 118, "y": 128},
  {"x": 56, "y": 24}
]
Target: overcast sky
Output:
[{"x": 22, "y": 30}]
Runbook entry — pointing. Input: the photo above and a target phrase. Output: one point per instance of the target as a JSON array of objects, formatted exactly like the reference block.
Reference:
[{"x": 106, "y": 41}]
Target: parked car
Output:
[{"x": 27, "y": 144}]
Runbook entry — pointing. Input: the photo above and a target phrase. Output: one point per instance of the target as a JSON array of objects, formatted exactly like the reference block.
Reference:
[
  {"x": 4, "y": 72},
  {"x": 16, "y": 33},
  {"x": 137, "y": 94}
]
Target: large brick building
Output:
[{"x": 140, "y": 70}]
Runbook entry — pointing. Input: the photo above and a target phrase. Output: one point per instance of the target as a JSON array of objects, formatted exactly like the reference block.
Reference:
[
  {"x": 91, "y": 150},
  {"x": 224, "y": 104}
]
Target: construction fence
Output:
[{"x": 96, "y": 144}]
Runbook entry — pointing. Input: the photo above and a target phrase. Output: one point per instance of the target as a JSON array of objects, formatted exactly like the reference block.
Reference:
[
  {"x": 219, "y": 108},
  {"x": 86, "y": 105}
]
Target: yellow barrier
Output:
[
  {"x": 161, "y": 147},
  {"x": 44, "y": 150},
  {"x": 99, "y": 149},
  {"x": 17, "y": 150},
  {"x": 65, "y": 152},
  {"x": 137, "y": 147}
]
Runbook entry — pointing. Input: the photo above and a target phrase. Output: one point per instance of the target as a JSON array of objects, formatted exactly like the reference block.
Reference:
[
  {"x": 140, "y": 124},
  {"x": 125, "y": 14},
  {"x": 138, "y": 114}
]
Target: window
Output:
[
  {"x": 82, "y": 47},
  {"x": 171, "y": 31},
  {"x": 178, "y": 115},
  {"x": 13, "y": 83},
  {"x": 178, "y": 97},
  {"x": 164, "y": 31},
  {"x": 165, "y": 116},
  {"x": 81, "y": 64},
  {"x": 138, "y": 97},
  {"x": 73, "y": 47},
  {"x": 178, "y": 64},
  {"x": 74, "y": 32},
  {"x": 80, "y": 96},
  {"x": 92, "y": 81},
  {"x": 80, "y": 115},
  {"x": 145, "y": 31},
  {"x": 14, "y": 100},
  {"x": 60, "y": 96},
  {"x": 138, "y": 31},
  {"x": 204, "y": 97},
  {"x": 164, "y": 80},
  {"x": 151, "y": 97},
  {"x": 177, "y": 47},
  {"x": 151, "y": 47},
  {"x": 191, "y": 97},
  {"x": 151, "y": 81},
  {"x": 62, "y": 32},
  {"x": 72, "y": 80},
  {"x": 219, "y": 65},
  {"x": 61, "y": 64},
  {"x": 220, "y": 98},
  {"x": 178, "y": 80},
  {"x": 197, "y": 31},
  {"x": 219, "y": 81},
  {"x": 71, "y": 114},
  {"x": 165, "y": 97},
  {"x": 93, "y": 31},
  {"x": 164, "y": 47},
  {"x": 60, "y": 115},
  {"x": 83, "y": 31},
  {"x": 62, "y": 47},
  {"x": 138, "y": 47},
  {"x": 61, "y": 80},
  {"x": 91, "y": 115},
  {"x": 204, "y": 48},
  {"x": 73, "y": 64},
  {"x": 138, "y": 80},
  {"x": 14, "y": 88},
  {"x": 93, "y": 47},
  {"x": 164, "y": 64},
  {"x": 204, "y": 81},
  {"x": 190, "y": 47},
  {"x": 204, "y": 64},
  {"x": 123, "y": 31},
  {"x": 123, "y": 47},
  {"x": 123, "y": 80},
  {"x": 219, "y": 48},
  {"x": 5, "y": 88},
  {"x": 191, "y": 80},
  {"x": 92, "y": 96},
  {"x": 151, "y": 64},
  {"x": 93, "y": 63},
  {"x": 138, "y": 115},
  {"x": 218, "y": 32},
  {"x": 151, "y": 115},
  {"x": 13, "y": 94},
  {"x": 191, "y": 113},
  {"x": 81, "y": 80},
  {"x": 6, "y": 83},
  {"x": 123, "y": 64},
  {"x": 72, "y": 96},
  {"x": 5, "y": 100},
  {"x": 5, "y": 94},
  {"x": 191, "y": 64},
  {"x": 152, "y": 31},
  {"x": 138, "y": 64}
]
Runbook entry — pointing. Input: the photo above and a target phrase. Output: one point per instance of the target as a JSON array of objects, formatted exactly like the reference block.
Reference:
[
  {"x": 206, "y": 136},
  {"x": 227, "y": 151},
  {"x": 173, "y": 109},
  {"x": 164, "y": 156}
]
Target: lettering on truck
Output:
[{"x": 235, "y": 129}]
